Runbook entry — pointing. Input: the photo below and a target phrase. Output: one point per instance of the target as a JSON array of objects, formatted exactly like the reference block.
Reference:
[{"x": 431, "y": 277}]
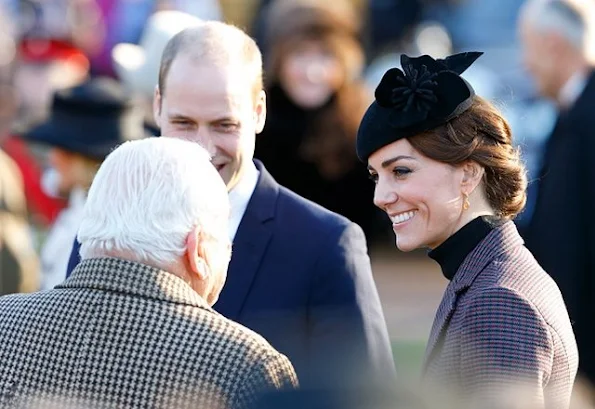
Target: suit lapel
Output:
[
  {"x": 443, "y": 316},
  {"x": 498, "y": 241},
  {"x": 249, "y": 246}
]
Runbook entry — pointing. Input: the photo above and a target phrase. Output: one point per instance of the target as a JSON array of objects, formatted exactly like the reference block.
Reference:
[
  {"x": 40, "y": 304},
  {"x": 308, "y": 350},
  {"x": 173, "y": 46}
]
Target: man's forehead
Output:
[
  {"x": 228, "y": 72},
  {"x": 207, "y": 103},
  {"x": 215, "y": 108}
]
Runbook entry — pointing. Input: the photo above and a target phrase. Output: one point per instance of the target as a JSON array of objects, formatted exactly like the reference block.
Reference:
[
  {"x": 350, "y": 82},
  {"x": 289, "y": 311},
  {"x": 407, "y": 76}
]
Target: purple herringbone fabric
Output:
[{"x": 503, "y": 324}]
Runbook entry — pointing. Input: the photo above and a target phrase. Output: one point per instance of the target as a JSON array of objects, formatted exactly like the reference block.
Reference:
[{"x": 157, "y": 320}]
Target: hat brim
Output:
[
  {"x": 53, "y": 135},
  {"x": 49, "y": 134}
]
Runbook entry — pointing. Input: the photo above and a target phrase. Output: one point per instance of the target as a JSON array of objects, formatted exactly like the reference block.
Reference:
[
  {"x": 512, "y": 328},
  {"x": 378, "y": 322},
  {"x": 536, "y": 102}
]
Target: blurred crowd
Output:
[
  {"x": 79, "y": 77},
  {"x": 320, "y": 72}
]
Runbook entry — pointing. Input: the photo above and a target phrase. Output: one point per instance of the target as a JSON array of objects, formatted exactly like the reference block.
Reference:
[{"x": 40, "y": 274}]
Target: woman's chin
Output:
[{"x": 405, "y": 245}]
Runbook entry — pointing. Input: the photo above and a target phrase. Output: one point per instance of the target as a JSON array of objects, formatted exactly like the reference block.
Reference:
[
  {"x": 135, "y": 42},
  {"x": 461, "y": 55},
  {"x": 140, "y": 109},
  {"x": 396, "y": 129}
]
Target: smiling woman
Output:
[{"x": 449, "y": 178}]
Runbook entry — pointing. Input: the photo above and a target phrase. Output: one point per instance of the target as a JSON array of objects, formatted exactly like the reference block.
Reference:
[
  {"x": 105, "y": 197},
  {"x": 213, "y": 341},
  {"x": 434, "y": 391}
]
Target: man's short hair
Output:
[
  {"x": 565, "y": 17},
  {"x": 217, "y": 43},
  {"x": 147, "y": 197}
]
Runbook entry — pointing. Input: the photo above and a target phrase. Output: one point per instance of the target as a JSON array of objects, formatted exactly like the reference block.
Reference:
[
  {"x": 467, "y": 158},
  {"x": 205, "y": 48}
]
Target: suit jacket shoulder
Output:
[{"x": 301, "y": 276}]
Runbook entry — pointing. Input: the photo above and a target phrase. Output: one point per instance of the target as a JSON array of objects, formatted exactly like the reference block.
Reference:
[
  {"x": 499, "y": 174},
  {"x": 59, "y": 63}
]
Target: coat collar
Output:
[
  {"x": 264, "y": 199},
  {"x": 250, "y": 244},
  {"x": 501, "y": 240},
  {"x": 128, "y": 277}
]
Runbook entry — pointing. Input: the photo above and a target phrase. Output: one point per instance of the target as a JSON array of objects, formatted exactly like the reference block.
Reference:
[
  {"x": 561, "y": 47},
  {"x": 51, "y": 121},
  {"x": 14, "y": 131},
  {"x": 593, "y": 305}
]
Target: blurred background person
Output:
[
  {"x": 86, "y": 123},
  {"x": 46, "y": 66},
  {"x": 561, "y": 233},
  {"x": 43, "y": 67},
  {"x": 315, "y": 100},
  {"x": 46, "y": 60},
  {"x": 124, "y": 21},
  {"x": 19, "y": 265},
  {"x": 137, "y": 66}
]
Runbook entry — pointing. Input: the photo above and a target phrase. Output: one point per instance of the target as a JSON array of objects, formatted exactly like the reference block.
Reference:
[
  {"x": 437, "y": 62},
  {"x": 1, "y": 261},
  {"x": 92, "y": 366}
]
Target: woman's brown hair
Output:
[{"x": 482, "y": 135}]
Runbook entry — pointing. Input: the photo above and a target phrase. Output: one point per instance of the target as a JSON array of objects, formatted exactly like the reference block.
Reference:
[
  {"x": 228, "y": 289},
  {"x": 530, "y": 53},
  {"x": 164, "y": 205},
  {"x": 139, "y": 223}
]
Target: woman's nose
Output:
[{"x": 384, "y": 196}]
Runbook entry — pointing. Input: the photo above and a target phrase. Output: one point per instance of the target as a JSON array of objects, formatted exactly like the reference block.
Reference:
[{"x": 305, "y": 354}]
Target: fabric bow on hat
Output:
[
  {"x": 425, "y": 89},
  {"x": 424, "y": 95}
]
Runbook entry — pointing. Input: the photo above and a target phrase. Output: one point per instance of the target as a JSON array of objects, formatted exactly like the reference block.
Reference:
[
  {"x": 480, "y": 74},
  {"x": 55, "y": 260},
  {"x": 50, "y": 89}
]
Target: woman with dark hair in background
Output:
[
  {"x": 315, "y": 102},
  {"x": 450, "y": 180}
]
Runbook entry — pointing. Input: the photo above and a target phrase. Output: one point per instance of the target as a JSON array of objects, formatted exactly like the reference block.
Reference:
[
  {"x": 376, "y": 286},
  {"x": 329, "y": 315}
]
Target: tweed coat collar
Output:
[
  {"x": 128, "y": 277},
  {"x": 500, "y": 240}
]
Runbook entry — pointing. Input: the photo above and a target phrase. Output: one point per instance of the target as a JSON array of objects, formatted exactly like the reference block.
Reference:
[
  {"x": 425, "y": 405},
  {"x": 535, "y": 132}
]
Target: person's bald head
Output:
[
  {"x": 554, "y": 35},
  {"x": 215, "y": 43}
]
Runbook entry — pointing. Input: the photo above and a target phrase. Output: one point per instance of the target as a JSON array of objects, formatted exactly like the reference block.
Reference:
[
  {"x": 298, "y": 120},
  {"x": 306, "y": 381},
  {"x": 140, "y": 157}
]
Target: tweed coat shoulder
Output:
[
  {"x": 119, "y": 334},
  {"x": 502, "y": 321}
]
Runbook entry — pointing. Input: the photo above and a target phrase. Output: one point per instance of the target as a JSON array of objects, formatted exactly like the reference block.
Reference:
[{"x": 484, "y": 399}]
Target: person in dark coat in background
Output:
[
  {"x": 315, "y": 103},
  {"x": 561, "y": 232},
  {"x": 448, "y": 176}
]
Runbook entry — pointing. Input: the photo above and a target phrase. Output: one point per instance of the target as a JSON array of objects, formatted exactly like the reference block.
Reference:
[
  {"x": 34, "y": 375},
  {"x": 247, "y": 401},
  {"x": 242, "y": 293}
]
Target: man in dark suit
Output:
[
  {"x": 299, "y": 275},
  {"x": 136, "y": 313},
  {"x": 560, "y": 233}
]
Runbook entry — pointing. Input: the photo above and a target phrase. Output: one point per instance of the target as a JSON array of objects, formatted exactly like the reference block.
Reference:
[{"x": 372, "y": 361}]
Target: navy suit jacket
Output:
[{"x": 300, "y": 276}]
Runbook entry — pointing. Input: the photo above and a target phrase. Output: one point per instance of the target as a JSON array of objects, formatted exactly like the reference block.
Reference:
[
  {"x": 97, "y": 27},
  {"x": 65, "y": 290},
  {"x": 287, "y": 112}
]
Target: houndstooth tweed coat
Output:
[
  {"x": 119, "y": 334},
  {"x": 502, "y": 326}
]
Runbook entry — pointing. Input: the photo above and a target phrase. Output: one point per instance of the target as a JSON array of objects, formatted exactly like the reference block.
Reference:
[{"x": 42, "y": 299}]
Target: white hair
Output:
[
  {"x": 563, "y": 17},
  {"x": 146, "y": 198}
]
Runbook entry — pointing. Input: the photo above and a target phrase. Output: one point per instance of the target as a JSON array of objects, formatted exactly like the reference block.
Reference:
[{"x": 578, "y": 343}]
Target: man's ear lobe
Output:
[
  {"x": 157, "y": 101},
  {"x": 261, "y": 111},
  {"x": 195, "y": 254}
]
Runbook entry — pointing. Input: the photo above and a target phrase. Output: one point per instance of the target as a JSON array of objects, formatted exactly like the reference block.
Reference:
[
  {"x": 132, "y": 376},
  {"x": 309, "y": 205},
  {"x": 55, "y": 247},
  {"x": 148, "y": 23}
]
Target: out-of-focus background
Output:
[{"x": 50, "y": 45}]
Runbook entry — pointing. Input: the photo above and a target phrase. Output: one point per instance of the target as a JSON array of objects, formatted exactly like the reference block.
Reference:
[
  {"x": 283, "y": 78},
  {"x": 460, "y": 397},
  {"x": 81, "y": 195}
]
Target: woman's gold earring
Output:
[{"x": 465, "y": 201}]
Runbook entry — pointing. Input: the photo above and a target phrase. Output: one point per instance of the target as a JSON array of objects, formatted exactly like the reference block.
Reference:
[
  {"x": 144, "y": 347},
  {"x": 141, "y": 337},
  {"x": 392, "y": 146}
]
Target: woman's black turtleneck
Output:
[{"x": 451, "y": 254}]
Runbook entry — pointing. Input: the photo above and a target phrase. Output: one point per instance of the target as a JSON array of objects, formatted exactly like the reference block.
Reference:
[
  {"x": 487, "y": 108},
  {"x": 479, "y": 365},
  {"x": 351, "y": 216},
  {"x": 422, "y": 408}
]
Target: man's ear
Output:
[
  {"x": 157, "y": 101},
  {"x": 195, "y": 254},
  {"x": 260, "y": 110},
  {"x": 472, "y": 175}
]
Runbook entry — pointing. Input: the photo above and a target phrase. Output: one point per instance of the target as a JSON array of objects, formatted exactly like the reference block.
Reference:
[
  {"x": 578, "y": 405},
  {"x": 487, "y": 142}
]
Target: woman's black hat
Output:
[{"x": 424, "y": 95}]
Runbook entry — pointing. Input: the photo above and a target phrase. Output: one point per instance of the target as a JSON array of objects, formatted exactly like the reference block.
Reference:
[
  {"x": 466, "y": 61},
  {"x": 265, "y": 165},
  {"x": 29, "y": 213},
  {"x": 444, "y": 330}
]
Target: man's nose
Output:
[{"x": 204, "y": 139}]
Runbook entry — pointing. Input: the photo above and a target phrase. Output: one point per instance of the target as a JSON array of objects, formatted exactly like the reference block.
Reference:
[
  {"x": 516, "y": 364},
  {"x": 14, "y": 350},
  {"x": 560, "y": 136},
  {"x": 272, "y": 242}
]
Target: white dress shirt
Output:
[
  {"x": 58, "y": 244},
  {"x": 240, "y": 196}
]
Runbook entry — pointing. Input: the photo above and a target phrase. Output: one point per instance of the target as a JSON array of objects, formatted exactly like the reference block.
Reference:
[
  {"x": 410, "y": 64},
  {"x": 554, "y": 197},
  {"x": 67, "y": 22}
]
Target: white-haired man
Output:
[
  {"x": 560, "y": 233},
  {"x": 136, "y": 313}
]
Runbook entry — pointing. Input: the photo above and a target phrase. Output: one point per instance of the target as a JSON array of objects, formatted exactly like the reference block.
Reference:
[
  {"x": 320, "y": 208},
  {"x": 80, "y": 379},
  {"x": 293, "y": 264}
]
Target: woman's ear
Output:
[
  {"x": 195, "y": 254},
  {"x": 472, "y": 175}
]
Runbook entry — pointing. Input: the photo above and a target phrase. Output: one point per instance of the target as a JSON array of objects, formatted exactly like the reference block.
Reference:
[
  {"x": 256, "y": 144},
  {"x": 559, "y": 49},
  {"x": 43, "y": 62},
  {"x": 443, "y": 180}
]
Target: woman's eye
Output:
[
  {"x": 401, "y": 171},
  {"x": 373, "y": 177}
]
